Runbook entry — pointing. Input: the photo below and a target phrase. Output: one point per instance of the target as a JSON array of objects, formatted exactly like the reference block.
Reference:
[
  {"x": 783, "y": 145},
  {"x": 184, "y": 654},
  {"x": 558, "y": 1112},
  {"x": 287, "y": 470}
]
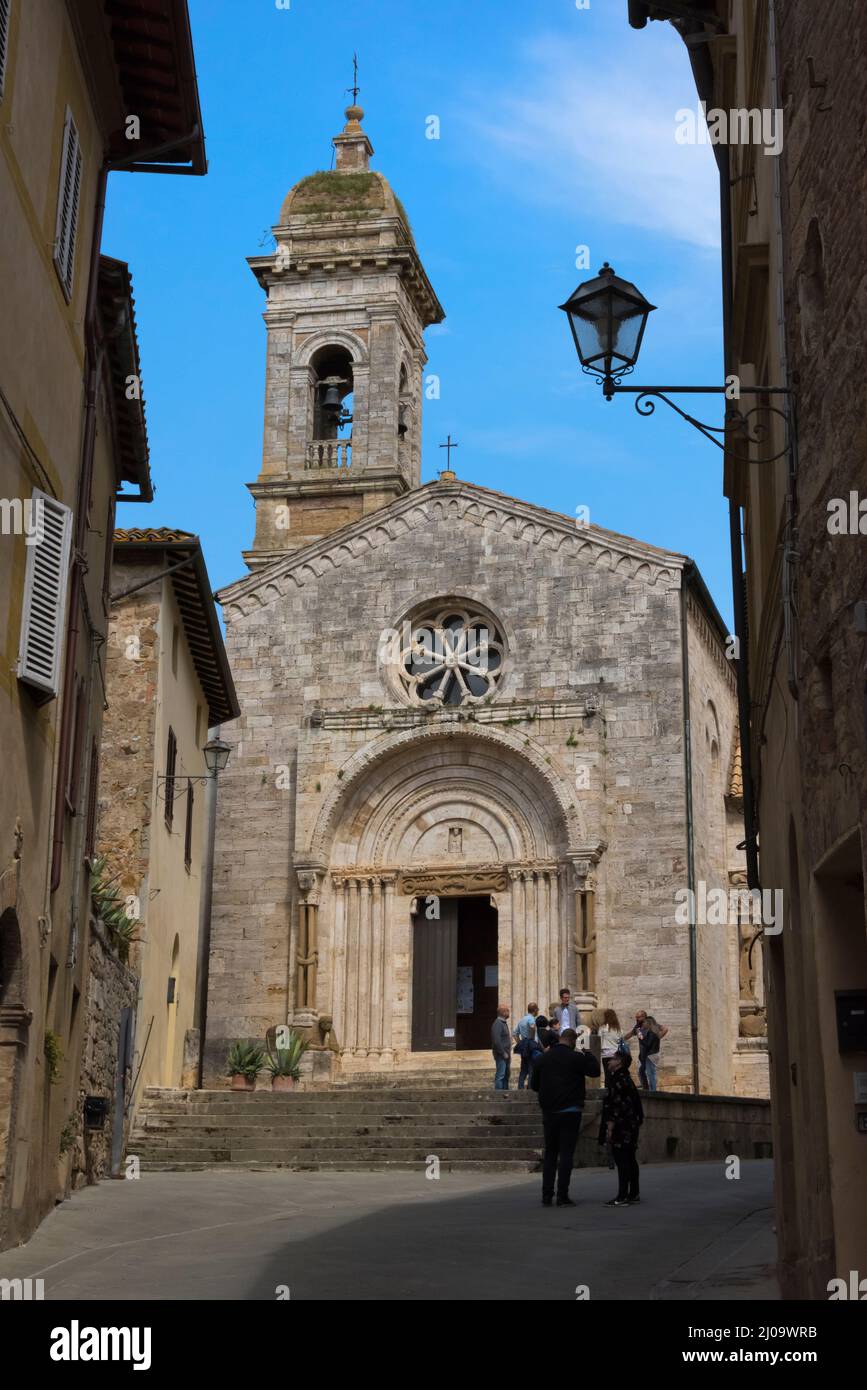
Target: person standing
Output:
[
  {"x": 526, "y": 1044},
  {"x": 622, "y": 1117},
  {"x": 558, "y": 1078},
  {"x": 566, "y": 1013},
  {"x": 611, "y": 1039},
  {"x": 649, "y": 1034},
  {"x": 501, "y": 1047}
]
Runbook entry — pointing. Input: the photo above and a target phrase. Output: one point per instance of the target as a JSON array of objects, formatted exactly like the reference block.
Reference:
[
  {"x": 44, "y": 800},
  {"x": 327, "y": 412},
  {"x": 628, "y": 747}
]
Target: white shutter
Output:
[
  {"x": 5, "y": 7},
  {"x": 67, "y": 204},
  {"x": 43, "y": 614}
]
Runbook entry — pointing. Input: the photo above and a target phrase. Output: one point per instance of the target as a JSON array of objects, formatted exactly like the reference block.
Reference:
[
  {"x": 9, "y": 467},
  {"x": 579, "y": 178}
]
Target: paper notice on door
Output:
[
  {"x": 490, "y": 977},
  {"x": 448, "y": 1032}
]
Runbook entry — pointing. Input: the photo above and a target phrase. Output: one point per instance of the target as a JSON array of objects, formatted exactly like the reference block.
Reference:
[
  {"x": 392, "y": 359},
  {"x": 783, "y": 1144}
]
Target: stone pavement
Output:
[{"x": 401, "y": 1236}]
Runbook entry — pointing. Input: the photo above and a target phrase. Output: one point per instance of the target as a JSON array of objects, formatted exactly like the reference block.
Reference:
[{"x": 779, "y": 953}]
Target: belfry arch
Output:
[{"x": 430, "y": 821}]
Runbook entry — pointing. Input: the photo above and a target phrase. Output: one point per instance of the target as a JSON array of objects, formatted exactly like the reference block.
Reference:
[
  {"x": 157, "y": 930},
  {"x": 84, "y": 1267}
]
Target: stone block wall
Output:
[
  {"x": 581, "y": 620},
  {"x": 111, "y": 987}
]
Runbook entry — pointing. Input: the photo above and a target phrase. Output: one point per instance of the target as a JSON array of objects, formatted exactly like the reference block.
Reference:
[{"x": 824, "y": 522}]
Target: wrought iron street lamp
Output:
[
  {"x": 608, "y": 316},
  {"x": 216, "y": 755}
]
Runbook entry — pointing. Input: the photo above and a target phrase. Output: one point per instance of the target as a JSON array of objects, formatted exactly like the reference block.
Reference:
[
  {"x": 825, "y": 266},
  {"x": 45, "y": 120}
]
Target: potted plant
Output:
[
  {"x": 284, "y": 1063},
  {"x": 243, "y": 1064}
]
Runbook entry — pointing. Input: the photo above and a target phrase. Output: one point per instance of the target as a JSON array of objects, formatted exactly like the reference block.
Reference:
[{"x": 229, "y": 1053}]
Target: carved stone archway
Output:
[{"x": 454, "y": 811}]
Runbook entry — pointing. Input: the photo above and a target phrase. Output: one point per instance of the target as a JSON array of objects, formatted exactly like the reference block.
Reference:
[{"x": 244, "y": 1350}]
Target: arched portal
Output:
[{"x": 464, "y": 836}]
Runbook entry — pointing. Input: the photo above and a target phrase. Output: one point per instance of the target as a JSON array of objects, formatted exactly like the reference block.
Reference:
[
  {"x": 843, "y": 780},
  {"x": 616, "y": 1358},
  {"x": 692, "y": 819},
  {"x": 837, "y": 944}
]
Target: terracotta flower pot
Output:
[
  {"x": 282, "y": 1083},
  {"x": 243, "y": 1083}
]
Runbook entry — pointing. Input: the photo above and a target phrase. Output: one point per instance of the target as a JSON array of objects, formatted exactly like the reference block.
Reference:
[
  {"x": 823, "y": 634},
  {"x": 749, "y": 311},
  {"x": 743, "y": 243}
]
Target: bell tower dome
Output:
[{"x": 348, "y": 303}]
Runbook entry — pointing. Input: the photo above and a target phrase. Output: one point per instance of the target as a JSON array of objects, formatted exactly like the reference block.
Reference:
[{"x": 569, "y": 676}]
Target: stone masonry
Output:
[{"x": 556, "y": 787}]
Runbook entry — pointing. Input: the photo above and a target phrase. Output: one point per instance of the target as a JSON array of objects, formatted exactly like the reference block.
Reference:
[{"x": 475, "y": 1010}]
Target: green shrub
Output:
[{"x": 245, "y": 1059}]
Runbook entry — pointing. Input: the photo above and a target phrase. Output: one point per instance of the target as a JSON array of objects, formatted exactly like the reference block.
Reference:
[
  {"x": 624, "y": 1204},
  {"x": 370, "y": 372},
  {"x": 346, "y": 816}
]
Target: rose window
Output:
[{"x": 450, "y": 657}]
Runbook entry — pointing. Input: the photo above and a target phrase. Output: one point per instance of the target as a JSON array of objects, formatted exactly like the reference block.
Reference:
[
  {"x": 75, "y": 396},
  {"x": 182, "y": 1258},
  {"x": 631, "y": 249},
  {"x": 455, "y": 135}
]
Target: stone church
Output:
[{"x": 482, "y": 749}]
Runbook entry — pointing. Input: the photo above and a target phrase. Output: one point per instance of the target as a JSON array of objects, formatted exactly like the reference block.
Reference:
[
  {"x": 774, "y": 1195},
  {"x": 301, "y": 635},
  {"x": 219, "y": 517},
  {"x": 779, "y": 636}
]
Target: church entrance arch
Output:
[{"x": 449, "y": 882}]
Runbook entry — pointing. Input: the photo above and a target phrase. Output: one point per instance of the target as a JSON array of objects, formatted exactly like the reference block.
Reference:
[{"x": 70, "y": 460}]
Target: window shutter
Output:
[
  {"x": 171, "y": 763},
  {"x": 5, "y": 8},
  {"x": 67, "y": 204},
  {"x": 92, "y": 791},
  {"x": 45, "y": 588},
  {"x": 188, "y": 832}
]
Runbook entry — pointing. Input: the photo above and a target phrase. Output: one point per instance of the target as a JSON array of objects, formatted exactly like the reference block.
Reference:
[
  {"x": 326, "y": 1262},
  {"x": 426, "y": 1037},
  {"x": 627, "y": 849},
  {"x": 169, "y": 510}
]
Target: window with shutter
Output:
[
  {"x": 171, "y": 764},
  {"x": 188, "y": 835},
  {"x": 45, "y": 587},
  {"x": 68, "y": 196},
  {"x": 5, "y": 9},
  {"x": 92, "y": 791}
]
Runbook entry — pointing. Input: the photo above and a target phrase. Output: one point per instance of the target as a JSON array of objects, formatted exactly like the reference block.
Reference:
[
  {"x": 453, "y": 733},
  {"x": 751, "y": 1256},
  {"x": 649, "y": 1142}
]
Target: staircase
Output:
[{"x": 366, "y": 1125}]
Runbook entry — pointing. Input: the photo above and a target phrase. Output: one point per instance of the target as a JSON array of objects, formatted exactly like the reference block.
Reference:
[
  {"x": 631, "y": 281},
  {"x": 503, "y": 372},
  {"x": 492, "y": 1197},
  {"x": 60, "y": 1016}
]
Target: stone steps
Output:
[
  {"x": 376, "y": 1128},
  {"x": 377, "y": 1165}
]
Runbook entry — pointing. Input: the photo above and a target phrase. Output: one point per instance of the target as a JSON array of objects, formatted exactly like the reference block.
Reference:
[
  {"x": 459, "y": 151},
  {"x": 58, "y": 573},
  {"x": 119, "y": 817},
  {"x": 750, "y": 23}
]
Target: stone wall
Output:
[
  {"x": 111, "y": 988},
  {"x": 591, "y": 699}
]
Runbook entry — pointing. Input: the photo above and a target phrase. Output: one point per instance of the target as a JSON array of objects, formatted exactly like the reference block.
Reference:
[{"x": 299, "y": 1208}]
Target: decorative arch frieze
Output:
[{"x": 390, "y": 743}]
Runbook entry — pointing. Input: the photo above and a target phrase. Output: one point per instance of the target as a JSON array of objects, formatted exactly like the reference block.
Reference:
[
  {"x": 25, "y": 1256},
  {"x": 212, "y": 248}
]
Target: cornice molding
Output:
[{"x": 632, "y": 560}]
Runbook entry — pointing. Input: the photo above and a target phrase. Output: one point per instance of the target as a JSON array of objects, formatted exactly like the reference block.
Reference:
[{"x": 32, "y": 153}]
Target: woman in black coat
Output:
[{"x": 622, "y": 1117}]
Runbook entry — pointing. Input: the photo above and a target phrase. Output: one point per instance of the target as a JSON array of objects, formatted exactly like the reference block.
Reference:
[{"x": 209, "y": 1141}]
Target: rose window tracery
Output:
[{"x": 450, "y": 656}]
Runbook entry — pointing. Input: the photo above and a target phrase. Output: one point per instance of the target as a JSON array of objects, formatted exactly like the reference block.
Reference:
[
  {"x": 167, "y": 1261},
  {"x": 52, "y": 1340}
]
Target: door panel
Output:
[{"x": 434, "y": 979}]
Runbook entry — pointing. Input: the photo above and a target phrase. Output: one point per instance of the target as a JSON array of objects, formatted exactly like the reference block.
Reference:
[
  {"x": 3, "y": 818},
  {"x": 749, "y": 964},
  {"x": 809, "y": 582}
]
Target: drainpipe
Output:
[
  {"x": 200, "y": 1008},
  {"x": 702, "y": 70},
  {"x": 790, "y": 544},
  {"x": 690, "y": 826}
]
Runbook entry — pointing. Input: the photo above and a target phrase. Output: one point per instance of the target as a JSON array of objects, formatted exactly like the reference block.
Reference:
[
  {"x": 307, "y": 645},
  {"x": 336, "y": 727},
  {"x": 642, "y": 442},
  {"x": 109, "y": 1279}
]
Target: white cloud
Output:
[{"x": 596, "y": 133}]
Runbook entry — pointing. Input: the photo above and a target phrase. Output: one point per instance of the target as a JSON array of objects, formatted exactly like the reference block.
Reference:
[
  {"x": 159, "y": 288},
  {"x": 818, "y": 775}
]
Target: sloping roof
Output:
[
  {"x": 198, "y": 610},
  {"x": 117, "y": 320},
  {"x": 152, "y": 535},
  {"x": 138, "y": 56},
  {"x": 477, "y": 505}
]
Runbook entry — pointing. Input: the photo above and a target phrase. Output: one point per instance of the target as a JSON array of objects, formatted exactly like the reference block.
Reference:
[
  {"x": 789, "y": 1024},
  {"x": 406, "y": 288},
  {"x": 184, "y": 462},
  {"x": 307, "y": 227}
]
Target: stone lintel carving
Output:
[{"x": 454, "y": 881}]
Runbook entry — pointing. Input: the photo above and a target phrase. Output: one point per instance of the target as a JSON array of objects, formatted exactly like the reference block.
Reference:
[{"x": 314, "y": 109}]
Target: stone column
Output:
[
  {"x": 546, "y": 937},
  {"x": 338, "y": 960},
  {"x": 519, "y": 931},
  {"x": 584, "y": 938},
  {"x": 387, "y": 990},
  {"x": 362, "y": 1040},
  {"x": 307, "y": 955},
  {"x": 529, "y": 924},
  {"x": 352, "y": 937},
  {"x": 376, "y": 967}
]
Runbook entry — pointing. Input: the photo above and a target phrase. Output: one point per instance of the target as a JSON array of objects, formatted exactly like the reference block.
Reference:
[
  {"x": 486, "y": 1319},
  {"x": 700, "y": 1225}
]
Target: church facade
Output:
[{"x": 483, "y": 751}]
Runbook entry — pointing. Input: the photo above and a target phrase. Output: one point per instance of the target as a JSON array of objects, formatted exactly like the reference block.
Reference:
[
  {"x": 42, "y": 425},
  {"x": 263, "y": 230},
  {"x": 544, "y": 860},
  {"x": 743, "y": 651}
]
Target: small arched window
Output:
[{"x": 333, "y": 387}]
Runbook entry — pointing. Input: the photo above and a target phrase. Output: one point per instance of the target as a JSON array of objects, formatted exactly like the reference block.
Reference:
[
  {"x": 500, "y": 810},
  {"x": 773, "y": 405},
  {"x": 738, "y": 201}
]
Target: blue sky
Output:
[{"x": 556, "y": 131}]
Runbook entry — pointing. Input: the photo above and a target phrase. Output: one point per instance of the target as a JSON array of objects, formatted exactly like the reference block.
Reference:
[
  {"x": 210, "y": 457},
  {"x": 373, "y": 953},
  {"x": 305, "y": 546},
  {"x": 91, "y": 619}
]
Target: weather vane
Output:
[{"x": 354, "y": 89}]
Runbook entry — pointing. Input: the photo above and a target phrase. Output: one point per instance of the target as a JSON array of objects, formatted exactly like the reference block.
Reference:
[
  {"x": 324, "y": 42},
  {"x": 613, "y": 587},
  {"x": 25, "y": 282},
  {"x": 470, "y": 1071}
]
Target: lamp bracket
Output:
[{"x": 735, "y": 420}]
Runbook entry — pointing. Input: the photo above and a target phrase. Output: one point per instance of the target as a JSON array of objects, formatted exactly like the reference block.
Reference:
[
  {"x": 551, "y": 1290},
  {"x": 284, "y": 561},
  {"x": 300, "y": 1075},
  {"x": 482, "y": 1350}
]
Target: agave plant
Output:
[
  {"x": 286, "y": 1060},
  {"x": 245, "y": 1059},
  {"x": 108, "y": 904}
]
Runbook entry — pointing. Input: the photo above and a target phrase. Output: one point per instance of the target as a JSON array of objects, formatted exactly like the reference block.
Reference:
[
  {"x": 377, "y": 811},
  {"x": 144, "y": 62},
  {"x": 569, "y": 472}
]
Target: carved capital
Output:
[{"x": 308, "y": 885}]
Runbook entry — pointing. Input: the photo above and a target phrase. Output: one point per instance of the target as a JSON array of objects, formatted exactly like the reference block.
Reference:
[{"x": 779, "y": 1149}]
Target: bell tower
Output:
[{"x": 348, "y": 303}]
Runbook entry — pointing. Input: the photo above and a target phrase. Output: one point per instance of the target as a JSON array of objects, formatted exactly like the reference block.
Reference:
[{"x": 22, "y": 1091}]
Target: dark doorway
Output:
[
  {"x": 478, "y": 987},
  {"x": 454, "y": 974}
]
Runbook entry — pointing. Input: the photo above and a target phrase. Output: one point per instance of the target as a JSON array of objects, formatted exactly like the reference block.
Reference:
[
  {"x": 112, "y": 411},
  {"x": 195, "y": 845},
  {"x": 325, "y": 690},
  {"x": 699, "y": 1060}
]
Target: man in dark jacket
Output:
[
  {"x": 501, "y": 1047},
  {"x": 558, "y": 1080}
]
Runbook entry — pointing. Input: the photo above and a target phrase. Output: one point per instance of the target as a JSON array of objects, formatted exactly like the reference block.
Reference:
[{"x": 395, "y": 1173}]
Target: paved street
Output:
[{"x": 242, "y": 1235}]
